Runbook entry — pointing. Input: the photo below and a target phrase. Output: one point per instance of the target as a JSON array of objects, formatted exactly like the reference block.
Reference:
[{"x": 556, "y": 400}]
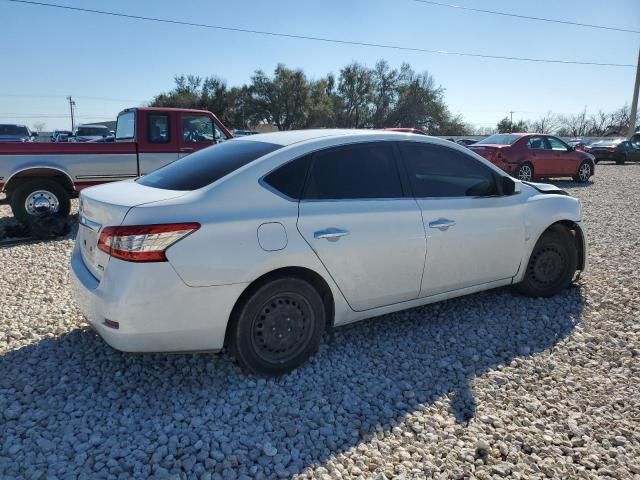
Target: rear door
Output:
[
  {"x": 474, "y": 235},
  {"x": 355, "y": 216},
  {"x": 198, "y": 131}
]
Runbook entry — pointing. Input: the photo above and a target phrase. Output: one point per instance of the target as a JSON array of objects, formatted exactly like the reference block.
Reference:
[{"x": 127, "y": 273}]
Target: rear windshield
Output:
[
  {"x": 208, "y": 165},
  {"x": 92, "y": 131},
  {"x": 14, "y": 130},
  {"x": 607, "y": 143},
  {"x": 499, "y": 140}
]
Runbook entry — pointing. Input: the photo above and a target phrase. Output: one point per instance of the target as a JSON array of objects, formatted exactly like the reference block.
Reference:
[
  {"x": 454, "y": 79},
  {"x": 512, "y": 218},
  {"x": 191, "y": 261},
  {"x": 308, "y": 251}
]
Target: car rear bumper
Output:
[{"x": 156, "y": 311}]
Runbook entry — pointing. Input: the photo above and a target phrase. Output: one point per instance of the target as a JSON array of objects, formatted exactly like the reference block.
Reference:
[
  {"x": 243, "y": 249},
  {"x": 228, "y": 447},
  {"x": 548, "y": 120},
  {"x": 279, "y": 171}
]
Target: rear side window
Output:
[
  {"x": 353, "y": 172},
  {"x": 208, "y": 165},
  {"x": 436, "y": 171},
  {"x": 289, "y": 178},
  {"x": 158, "y": 128}
]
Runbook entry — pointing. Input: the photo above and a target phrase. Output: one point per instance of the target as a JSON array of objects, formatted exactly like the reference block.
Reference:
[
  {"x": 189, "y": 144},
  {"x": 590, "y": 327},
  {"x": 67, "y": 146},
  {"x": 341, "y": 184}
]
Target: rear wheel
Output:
[
  {"x": 39, "y": 198},
  {"x": 552, "y": 264},
  {"x": 584, "y": 172},
  {"x": 278, "y": 327},
  {"x": 621, "y": 159},
  {"x": 525, "y": 172}
]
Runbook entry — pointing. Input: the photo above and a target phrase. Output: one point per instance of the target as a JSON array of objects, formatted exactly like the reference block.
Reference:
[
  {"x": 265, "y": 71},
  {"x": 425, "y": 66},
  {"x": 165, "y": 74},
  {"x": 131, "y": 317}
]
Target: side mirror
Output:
[
  {"x": 508, "y": 186},
  {"x": 34, "y": 134},
  {"x": 572, "y": 148}
]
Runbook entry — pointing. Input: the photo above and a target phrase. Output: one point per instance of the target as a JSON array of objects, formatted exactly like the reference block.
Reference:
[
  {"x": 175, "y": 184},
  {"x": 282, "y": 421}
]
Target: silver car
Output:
[{"x": 264, "y": 242}]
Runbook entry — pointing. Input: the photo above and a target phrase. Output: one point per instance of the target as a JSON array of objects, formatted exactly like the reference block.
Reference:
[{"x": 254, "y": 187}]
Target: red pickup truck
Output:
[{"x": 41, "y": 178}]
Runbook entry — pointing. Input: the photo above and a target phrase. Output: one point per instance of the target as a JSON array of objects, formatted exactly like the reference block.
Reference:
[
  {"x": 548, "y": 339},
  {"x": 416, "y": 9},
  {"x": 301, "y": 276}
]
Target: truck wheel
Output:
[{"x": 38, "y": 198}]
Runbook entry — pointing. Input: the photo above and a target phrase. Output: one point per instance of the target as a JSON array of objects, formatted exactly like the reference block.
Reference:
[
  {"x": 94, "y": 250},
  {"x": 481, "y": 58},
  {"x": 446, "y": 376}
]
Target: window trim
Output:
[
  {"x": 496, "y": 176},
  {"x": 168, "y": 117}
]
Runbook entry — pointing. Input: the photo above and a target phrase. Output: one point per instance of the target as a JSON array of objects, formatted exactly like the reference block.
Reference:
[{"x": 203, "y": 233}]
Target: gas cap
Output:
[{"x": 272, "y": 236}]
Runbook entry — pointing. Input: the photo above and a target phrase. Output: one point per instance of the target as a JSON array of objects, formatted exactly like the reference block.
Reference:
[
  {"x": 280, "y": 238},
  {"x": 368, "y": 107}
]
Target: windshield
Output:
[
  {"x": 14, "y": 130},
  {"x": 608, "y": 143},
  {"x": 499, "y": 140},
  {"x": 208, "y": 165},
  {"x": 92, "y": 131}
]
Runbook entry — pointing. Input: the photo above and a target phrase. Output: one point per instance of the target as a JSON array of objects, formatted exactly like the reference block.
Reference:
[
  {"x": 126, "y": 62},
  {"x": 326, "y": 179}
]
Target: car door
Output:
[
  {"x": 198, "y": 131},
  {"x": 565, "y": 160},
  {"x": 632, "y": 151},
  {"x": 355, "y": 216},
  {"x": 540, "y": 156},
  {"x": 474, "y": 234}
]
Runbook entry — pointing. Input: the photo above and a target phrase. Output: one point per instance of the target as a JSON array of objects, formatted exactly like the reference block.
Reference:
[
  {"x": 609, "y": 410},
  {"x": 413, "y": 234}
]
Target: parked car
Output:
[
  {"x": 532, "y": 155},
  {"x": 86, "y": 133},
  {"x": 40, "y": 178},
  {"x": 61, "y": 136},
  {"x": 244, "y": 133},
  {"x": 618, "y": 150},
  {"x": 417, "y": 131},
  {"x": 579, "y": 143},
  {"x": 465, "y": 142},
  {"x": 16, "y": 133},
  {"x": 265, "y": 241}
]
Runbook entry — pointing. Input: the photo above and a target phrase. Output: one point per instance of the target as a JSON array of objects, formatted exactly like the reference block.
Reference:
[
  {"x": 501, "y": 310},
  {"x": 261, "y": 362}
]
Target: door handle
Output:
[
  {"x": 442, "y": 224},
  {"x": 186, "y": 149},
  {"x": 331, "y": 234}
]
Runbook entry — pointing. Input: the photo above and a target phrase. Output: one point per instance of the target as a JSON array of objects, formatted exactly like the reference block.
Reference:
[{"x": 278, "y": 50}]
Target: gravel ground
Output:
[{"x": 487, "y": 386}]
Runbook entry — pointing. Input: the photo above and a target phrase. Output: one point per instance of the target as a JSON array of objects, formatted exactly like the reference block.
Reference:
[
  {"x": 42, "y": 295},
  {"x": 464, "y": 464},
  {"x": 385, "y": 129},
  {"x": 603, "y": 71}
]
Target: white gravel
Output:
[{"x": 488, "y": 386}]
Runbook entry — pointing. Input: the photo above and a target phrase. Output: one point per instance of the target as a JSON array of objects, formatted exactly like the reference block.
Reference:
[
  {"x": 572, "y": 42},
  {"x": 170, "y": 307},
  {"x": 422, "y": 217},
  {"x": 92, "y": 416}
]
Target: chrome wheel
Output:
[
  {"x": 585, "y": 172},
  {"x": 41, "y": 202},
  {"x": 282, "y": 328},
  {"x": 525, "y": 173}
]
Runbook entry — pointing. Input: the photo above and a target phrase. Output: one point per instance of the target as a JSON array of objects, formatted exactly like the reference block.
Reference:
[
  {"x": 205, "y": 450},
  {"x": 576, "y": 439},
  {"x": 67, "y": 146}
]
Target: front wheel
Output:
[
  {"x": 584, "y": 172},
  {"x": 525, "y": 172},
  {"x": 552, "y": 265},
  {"x": 39, "y": 198},
  {"x": 278, "y": 327}
]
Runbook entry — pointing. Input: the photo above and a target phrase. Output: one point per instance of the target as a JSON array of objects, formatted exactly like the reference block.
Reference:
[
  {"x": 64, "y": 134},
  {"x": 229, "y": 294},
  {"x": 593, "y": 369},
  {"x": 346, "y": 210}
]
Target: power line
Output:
[
  {"x": 311, "y": 38},
  {"x": 539, "y": 19}
]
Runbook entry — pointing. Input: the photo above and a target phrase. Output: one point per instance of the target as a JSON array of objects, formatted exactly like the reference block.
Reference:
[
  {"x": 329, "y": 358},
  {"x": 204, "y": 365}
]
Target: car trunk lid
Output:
[
  {"x": 107, "y": 205},
  {"x": 490, "y": 152}
]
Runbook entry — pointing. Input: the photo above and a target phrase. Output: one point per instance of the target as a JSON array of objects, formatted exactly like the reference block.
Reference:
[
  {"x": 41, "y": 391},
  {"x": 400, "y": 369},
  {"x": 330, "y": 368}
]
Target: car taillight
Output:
[
  {"x": 143, "y": 243},
  {"x": 611, "y": 149}
]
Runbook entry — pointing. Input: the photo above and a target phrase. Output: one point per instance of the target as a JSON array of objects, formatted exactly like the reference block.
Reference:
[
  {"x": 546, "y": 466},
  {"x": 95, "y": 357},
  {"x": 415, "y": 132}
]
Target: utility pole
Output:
[
  {"x": 511, "y": 122},
  {"x": 72, "y": 105},
  {"x": 634, "y": 102}
]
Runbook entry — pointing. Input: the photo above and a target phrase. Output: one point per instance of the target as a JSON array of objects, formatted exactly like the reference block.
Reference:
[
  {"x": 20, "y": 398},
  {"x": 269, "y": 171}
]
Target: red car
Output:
[{"x": 527, "y": 156}]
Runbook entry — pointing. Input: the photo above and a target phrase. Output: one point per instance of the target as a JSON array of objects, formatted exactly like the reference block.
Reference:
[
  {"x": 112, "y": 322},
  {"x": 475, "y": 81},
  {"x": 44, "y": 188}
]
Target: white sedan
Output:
[{"x": 262, "y": 243}]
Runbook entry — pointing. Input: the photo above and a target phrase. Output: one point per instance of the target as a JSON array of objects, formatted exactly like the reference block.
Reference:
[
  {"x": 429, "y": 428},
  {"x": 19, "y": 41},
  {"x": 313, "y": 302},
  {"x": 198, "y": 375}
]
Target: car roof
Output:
[{"x": 298, "y": 136}]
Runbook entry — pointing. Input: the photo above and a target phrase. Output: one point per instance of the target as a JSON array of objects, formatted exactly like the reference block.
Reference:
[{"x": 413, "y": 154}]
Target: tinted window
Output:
[
  {"x": 197, "y": 129},
  {"x": 206, "y": 166},
  {"x": 14, "y": 130},
  {"x": 92, "y": 131},
  {"x": 125, "y": 127},
  {"x": 356, "y": 171},
  {"x": 436, "y": 171},
  {"x": 289, "y": 178},
  {"x": 158, "y": 128}
]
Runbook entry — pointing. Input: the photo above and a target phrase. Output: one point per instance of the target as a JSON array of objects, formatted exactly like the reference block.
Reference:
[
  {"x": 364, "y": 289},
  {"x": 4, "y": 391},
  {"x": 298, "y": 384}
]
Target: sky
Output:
[{"x": 108, "y": 63}]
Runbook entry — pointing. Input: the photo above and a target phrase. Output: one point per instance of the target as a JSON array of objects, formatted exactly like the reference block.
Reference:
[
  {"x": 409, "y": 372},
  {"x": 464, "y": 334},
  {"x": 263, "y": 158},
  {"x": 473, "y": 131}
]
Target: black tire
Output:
[
  {"x": 621, "y": 159},
  {"x": 22, "y": 192},
  {"x": 552, "y": 264},
  {"x": 580, "y": 175},
  {"x": 525, "y": 170},
  {"x": 278, "y": 327}
]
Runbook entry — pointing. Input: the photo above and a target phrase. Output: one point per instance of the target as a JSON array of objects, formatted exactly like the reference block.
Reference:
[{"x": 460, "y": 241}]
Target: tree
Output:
[
  {"x": 548, "y": 123},
  {"x": 39, "y": 126},
  {"x": 355, "y": 86},
  {"x": 505, "y": 126},
  {"x": 384, "y": 94}
]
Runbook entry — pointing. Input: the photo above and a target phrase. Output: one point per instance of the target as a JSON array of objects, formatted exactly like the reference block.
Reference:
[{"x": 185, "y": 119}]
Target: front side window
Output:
[
  {"x": 205, "y": 166},
  {"x": 354, "y": 172},
  {"x": 125, "y": 128},
  {"x": 536, "y": 143},
  {"x": 437, "y": 171},
  {"x": 220, "y": 135},
  {"x": 158, "y": 128},
  {"x": 557, "y": 144},
  {"x": 197, "y": 129}
]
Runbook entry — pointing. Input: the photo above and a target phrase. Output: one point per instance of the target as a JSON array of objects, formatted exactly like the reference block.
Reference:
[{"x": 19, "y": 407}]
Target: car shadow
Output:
[{"x": 77, "y": 401}]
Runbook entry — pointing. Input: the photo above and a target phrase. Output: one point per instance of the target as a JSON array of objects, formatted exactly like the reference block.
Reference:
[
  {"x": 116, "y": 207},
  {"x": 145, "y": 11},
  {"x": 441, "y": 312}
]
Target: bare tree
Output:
[
  {"x": 548, "y": 123},
  {"x": 39, "y": 126},
  {"x": 575, "y": 125}
]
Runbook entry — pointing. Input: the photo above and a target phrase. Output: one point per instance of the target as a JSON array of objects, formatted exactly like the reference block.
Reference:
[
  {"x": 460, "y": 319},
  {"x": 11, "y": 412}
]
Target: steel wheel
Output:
[
  {"x": 41, "y": 202},
  {"x": 525, "y": 173},
  {"x": 282, "y": 328},
  {"x": 546, "y": 266}
]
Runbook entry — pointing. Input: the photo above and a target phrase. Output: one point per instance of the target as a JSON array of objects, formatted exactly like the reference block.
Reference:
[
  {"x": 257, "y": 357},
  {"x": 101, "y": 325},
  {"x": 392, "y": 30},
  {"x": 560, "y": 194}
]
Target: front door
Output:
[
  {"x": 474, "y": 234},
  {"x": 355, "y": 216},
  {"x": 566, "y": 161},
  {"x": 541, "y": 157}
]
